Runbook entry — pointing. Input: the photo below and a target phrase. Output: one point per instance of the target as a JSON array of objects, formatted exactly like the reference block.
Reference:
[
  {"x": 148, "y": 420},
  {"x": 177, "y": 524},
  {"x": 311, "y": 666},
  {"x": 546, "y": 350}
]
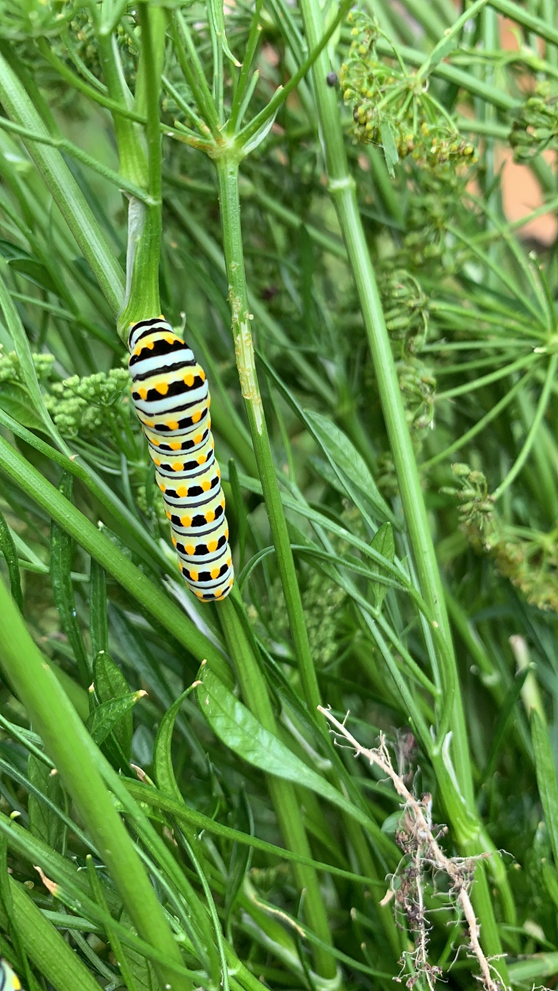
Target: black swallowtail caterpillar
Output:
[
  {"x": 172, "y": 401},
  {"x": 8, "y": 980}
]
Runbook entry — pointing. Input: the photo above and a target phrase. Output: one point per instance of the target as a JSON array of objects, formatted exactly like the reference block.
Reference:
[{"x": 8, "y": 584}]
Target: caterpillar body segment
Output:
[{"x": 171, "y": 398}]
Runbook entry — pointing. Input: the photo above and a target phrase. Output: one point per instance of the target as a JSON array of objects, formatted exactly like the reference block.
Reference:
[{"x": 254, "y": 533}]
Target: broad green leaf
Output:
[
  {"x": 14, "y": 400},
  {"x": 162, "y": 756},
  {"x": 343, "y": 456},
  {"x": 7, "y": 547},
  {"x": 236, "y": 727},
  {"x": 106, "y": 716},
  {"x": 62, "y": 588},
  {"x": 546, "y": 779},
  {"x": 43, "y": 821},
  {"x": 384, "y": 543},
  {"x": 110, "y": 683},
  {"x": 21, "y": 261}
]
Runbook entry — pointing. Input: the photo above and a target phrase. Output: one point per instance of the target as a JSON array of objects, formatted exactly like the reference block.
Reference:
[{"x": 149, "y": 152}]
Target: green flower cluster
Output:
[
  {"x": 535, "y": 126},
  {"x": 528, "y": 558},
  {"x": 322, "y": 600},
  {"x": 10, "y": 368},
  {"x": 405, "y": 309},
  {"x": 79, "y": 406},
  {"x": 471, "y": 491},
  {"x": 393, "y": 109}
]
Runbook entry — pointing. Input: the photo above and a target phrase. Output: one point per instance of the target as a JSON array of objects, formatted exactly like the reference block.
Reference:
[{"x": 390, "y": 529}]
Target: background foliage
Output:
[{"x": 391, "y": 474}]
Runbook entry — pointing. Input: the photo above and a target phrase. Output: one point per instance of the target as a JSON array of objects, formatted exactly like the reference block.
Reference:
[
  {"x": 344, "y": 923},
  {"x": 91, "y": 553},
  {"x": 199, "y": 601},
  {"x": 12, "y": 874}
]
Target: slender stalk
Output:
[
  {"x": 227, "y": 172},
  {"x": 68, "y": 744},
  {"x": 63, "y": 187},
  {"x": 530, "y": 439},
  {"x": 285, "y": 802},
  {"x": 342, "y": 188}
]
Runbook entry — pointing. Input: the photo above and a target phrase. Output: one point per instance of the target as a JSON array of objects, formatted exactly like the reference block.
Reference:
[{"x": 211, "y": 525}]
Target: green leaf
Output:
[
  {"x": 63, "y": 591},
  {"x": 111, "y": 684},
  {"x": 21, "y": 261},
  {"x": 162, "y": 756},
  {"x": 14, "y": 399},
  {"x": 344, "y": 457},
  {"x": 43, "y": 821},
  {"x": 8, "y": 549},
  {"x": 384, "y": 543},
  {"x": 236, "y": 727},
  {"x": 98, "y": 608},
  {"x": 389, "y": 147},
  {"x": 106, "y": 716},
  {"x": 241, "y": 854},
  {"x": 546, "y": 779}
]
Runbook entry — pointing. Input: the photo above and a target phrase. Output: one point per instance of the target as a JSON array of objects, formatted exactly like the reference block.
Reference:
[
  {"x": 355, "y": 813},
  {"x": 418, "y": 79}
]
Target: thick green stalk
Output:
[
  {"x": 67, "y": 743},
  {"x": 144, "y": 222},
  {"x": 285, "y": 802},
  {"x": 342, "y": 188},
  {"x": 227, "y": 171}
]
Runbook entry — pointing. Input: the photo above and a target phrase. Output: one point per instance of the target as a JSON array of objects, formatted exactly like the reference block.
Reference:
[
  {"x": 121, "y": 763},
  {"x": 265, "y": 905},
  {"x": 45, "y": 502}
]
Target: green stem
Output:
[
  {"x": 342, "y": 189},
  {"x": 285, "y": 802},
  {"x": 145, "y": 223},
  {"x": 227, "y": 171},
  {"x": 68, "y": 744}
]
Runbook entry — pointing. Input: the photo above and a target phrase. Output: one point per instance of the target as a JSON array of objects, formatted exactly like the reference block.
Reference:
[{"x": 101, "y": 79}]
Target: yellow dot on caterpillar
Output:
[
  {"x": 182, "y": 492},
  {"x": 155, "y": 441},
  {"x": 194, "y": 576},
  {"x": 174, "y": 541},
  {"x": 142, "y": 393},
  {"x": 181, "y": 566},
  {"x": 169, "y": 338},
  {"x": 214, "y": 572},
  {"x": 189, "y": 380},
  {"x": 148, "y": 423},
  {"x": 227, "y": 533},
  {"x": 186, "y": 521},
  {"x": 209, "y": 516},
  {"x": 198, "y": 594},
  {"x": 175, "y": 445},
  {"x": 157, "y": 461},
  {"x": 201, "y": 374},
  {"x": 218, "y": 471},
  {"x": 189, "y": 549},
  {"x": 208, "y": 401},
  {"x": 212, "y": 546},
  {"x": 177, "y": 465},
  {"x": 162, "y": 486},
  {"x": 162, "y": 388},
  {"x": 172, "y": 424},
  {"x": 168, "y": 515},
  {"x": 222, "y": 503},
  {"x": 198, "y": 438},
  {"x": 139, "y": 349},
  {"x": 197, "y": 416},
  {"x": 218, "y": 593},
  {"x": 228, "y": 561},
  {"x": 150, "y": 345},
  {"x": 206, "y": 485},
  {"x": 201, "y": 459},
  {"x": 231, "y": 582}
]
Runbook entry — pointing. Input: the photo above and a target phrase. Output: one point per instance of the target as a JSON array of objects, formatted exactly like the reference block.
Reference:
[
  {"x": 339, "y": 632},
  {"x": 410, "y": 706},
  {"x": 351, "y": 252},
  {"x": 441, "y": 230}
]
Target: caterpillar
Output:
[
  {"x": 8, "y": 980},
  {"x": 171, "y": 398}
]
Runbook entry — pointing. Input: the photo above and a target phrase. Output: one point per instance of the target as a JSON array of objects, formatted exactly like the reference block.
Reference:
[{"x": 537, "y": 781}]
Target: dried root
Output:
[{"x": 418, "y": 839}]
